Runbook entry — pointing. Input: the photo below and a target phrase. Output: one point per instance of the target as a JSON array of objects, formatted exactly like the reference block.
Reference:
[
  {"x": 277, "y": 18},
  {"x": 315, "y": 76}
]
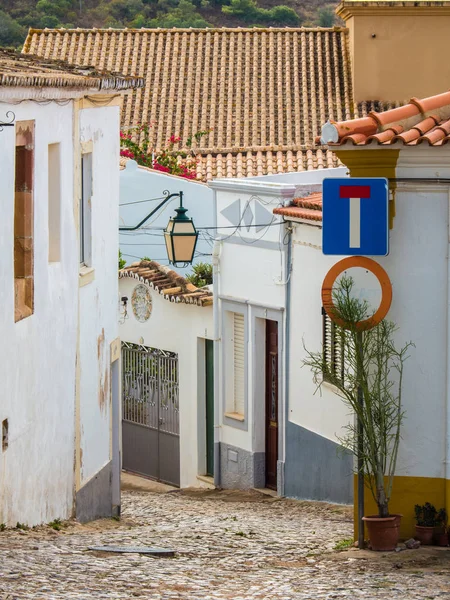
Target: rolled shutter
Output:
[
  {"x": 239, "y": 362},
  {"x": 326, "y": 338}
]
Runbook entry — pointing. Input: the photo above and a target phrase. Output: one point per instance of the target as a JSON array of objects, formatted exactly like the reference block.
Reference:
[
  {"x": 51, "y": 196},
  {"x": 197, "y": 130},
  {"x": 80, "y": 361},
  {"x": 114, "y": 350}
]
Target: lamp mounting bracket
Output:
[{"x": 10, "y": 118}]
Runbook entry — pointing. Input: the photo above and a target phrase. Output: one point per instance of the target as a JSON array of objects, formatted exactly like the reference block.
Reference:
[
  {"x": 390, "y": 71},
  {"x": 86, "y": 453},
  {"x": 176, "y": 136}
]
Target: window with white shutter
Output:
[{"x": 239, "y": 362}]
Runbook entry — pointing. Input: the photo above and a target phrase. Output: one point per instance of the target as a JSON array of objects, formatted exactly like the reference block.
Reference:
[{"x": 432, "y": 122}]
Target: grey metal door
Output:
[{"x": 150, "y": 413}]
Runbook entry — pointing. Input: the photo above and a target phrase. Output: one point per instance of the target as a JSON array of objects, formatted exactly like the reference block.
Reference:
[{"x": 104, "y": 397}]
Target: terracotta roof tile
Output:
[
  {"x": 168, "y": 283},
  {"x": 420, "y": 121},
  {"x": 384, "y": 136},
  {"x": 252, "y": 164},
  {"x": 308, "y": 208},
  {"x": 19, "y": 70},
  {"x": 264, "y": 91}
]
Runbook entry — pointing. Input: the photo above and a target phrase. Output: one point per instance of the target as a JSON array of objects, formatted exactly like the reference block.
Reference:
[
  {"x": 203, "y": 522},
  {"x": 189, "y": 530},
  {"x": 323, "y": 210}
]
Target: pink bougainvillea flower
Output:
[
  {"x": 159, "y": 167},
  {"x": 174, "y": 139}
]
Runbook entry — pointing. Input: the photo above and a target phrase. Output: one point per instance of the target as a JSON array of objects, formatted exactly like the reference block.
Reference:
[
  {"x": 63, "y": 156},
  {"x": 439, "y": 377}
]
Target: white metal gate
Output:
[{"x": 150, "y": 413}]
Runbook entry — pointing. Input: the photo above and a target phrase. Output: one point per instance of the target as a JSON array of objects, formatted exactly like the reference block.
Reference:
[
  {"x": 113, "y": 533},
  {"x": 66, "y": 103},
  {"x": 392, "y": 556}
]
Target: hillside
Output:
[{"x": 16, "y": 16}]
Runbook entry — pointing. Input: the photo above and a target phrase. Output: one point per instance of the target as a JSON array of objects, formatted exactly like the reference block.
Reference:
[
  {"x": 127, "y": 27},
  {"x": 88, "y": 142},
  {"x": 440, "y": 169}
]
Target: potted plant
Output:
[
  {"x": 440, "y": 535},
  {"x": 372, "y": 392},
  {"x": 425, "y": 523}
]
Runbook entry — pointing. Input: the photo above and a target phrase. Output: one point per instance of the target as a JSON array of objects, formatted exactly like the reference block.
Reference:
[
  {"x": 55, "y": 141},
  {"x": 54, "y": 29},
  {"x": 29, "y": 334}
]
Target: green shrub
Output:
[
  {"x": 247, "y": 9},
  {"x": 202, "y": 275},
  {"x": 11, "y": 33},
  {"x": 122, "y": 261},
  {"x": 426, "y": 515},
  {"x": 284, "y": 15},
  {"x": 326, "y": 16}
]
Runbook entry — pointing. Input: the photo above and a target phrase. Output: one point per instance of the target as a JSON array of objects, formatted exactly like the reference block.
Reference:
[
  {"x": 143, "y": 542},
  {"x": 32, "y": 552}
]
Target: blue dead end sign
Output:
[{"x": 355, "y": 216}]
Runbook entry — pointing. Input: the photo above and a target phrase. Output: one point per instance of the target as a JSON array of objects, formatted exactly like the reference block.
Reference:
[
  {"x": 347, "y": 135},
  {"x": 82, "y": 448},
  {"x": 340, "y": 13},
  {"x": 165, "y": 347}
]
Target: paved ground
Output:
[{"x": 239, "y": 546}]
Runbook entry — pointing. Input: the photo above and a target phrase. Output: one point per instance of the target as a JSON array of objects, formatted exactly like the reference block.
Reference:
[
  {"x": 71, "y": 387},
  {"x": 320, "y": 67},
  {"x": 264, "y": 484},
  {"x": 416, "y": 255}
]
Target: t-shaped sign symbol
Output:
[{"x": 354, "y": 193}]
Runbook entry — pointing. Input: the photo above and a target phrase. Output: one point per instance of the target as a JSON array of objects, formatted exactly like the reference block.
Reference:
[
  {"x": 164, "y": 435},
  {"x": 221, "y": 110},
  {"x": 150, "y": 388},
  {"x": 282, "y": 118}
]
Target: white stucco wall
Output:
[
  {"x": 37, "y": 354},
  {"x": 251, "y": 272},
  {"x": 417, "y": 266},
  {"x": 318, "y": 411},
  {"x": 262, "y": 281},
  {"x": 179, "y": 328},
  {"x": 303, "y": 177},
  {"x": 98, "y": 299},
  {"x": 137, "y": 183},
  {"x": 252, "y": 278},
  {"x": 38, "y": 357}
]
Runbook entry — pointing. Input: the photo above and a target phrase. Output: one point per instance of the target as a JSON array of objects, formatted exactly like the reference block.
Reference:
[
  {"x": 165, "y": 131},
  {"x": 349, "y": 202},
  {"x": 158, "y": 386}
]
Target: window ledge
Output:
[
  {"x": 330, "y": 386},
  {"x": 235, "y": 416},
  {"x": 22, "y": 312},
  {"x": 86, "y": 275}
]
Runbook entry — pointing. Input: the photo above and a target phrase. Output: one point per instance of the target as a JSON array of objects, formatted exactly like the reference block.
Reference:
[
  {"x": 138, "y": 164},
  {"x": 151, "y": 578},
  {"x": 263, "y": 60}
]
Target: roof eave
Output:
[
  {"x": 314, "y": 223},
  {"x": 18, "y": 92}
]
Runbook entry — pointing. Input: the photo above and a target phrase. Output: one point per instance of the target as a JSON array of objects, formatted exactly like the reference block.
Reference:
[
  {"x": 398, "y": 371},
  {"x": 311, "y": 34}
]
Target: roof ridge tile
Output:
[
  {"x": 181, "y": 30},
  {"x": 419, "y": 121}
]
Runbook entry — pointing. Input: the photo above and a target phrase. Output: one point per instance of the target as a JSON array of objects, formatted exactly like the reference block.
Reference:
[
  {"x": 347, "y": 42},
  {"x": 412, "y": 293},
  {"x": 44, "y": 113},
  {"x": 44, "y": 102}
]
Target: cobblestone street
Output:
[{"x": 239, "y": 546}]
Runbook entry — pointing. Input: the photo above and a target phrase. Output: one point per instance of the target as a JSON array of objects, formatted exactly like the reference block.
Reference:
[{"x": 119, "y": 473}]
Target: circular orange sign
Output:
[{"x": 369, "y": 265}]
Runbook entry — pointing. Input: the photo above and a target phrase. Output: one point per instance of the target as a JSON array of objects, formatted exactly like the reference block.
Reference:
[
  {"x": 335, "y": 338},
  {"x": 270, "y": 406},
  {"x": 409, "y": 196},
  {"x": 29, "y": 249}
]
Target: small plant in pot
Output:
[
  {"x": 425, "y": 522},
  {"x": 371, "y": 386},
  {"x": 440, "y": 535}
]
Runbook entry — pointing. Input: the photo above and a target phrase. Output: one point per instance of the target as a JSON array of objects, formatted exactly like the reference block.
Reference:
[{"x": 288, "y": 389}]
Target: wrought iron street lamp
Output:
[
  {"x": 180, "y": 237},
  {"x": 180, "y": 234}
]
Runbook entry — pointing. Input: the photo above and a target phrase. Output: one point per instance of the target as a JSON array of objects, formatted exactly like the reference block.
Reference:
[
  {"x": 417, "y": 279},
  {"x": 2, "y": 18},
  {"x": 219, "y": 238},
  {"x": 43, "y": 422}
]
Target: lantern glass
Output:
[
  {"x": 168, "y": 240},
  {"x": 181, "y": 239}
]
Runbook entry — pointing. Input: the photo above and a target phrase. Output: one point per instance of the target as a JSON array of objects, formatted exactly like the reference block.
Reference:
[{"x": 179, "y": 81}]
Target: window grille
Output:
[{"x": 333, "y": 340}]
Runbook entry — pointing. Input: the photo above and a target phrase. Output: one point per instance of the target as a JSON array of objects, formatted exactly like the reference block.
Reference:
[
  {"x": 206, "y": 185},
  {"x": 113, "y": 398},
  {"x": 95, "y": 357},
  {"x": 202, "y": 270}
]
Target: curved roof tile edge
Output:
[
  {"x": 413, "y": 123},
  {"x": 167, "y": 279}
]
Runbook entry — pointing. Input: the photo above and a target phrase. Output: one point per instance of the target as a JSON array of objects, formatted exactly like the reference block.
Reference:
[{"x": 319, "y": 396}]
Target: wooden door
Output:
[
  {"x": 209, "y": 356},
  {"x": 271, "y": 403}
]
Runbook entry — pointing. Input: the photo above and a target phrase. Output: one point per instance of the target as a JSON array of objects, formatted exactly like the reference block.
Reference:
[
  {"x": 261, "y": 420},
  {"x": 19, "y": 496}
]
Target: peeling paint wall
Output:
[
  {"x": 37, "y": 354},
  {"x": 99, "y": 298},
  {"x": 39, "y": 363}
]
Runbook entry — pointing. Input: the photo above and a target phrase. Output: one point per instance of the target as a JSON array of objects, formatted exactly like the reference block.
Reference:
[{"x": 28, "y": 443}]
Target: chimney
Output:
[{"x": 399, "y": 49}]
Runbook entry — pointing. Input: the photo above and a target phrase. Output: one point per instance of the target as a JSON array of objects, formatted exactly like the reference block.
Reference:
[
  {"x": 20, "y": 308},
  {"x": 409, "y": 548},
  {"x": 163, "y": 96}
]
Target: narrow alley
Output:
[{"x": 235, "y": 545}]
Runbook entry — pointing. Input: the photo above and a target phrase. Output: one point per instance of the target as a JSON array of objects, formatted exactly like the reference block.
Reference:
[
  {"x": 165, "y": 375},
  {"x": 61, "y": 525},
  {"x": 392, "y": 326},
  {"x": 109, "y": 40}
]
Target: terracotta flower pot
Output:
[
  {"x": 383, "y": 532},
  {"x": 440, "y": 536},
  {"x": 425, "y": 535}
]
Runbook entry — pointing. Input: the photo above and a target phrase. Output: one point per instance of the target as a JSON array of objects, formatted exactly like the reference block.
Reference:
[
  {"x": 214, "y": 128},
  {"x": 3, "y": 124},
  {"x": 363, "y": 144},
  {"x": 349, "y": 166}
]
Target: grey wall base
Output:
[
  {"x": 316, "y": 468},
  {"x": 240, "y": 469},
  {"x": 94, "y": 500},
  {"x": 280, "y": 478}
]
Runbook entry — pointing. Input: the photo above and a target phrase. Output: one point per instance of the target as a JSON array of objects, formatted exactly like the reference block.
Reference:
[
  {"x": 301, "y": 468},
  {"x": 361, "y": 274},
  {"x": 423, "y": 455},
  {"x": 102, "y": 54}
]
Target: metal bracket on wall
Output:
[{"x": 10, "y": 116}]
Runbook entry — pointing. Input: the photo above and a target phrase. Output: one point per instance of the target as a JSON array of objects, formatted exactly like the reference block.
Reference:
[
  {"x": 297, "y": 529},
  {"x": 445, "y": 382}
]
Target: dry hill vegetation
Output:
[{"x": 16, "y": 16}]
